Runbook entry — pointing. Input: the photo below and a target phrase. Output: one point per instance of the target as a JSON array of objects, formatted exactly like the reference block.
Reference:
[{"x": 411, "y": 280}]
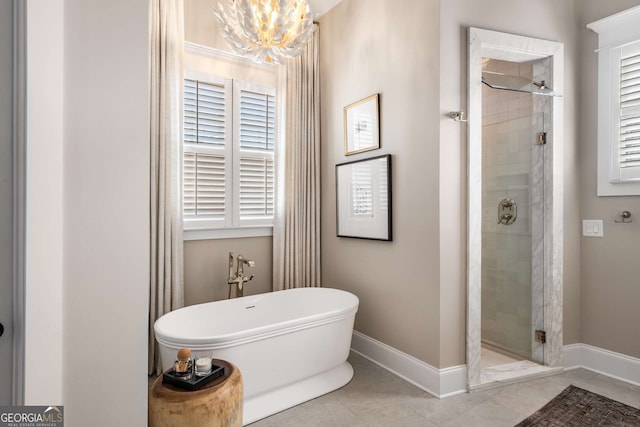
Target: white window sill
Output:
[{"x": 227, "y": 233}]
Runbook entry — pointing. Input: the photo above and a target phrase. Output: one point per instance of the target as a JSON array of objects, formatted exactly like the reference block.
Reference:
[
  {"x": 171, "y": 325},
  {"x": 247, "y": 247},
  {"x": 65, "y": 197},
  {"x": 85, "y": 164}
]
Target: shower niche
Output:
[{"x": 514, "y": 207}]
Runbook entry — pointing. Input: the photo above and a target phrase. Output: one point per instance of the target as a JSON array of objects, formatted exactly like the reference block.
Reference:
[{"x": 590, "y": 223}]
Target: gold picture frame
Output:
[{"x": 362, "y": 125}]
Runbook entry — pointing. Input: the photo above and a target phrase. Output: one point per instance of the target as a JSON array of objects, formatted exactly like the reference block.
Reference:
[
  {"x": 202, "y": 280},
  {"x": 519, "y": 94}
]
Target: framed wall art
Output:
[
  {"x": 361, "y": 126},
  {"x": 363, "y": 198}
]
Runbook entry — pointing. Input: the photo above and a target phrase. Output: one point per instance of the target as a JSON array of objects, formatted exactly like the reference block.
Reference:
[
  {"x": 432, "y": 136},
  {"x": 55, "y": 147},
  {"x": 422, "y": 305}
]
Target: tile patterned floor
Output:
[{"x": 376, "y": 397}]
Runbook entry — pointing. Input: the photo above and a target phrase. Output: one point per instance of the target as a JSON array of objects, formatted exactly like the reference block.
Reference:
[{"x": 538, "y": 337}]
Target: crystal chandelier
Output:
[{"x": 265, "y": 30}]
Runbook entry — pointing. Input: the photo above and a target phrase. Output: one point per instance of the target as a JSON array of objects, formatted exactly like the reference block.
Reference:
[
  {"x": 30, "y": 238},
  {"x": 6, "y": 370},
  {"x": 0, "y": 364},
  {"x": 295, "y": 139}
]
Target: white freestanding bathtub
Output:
[{"x": 290, "y": 346}]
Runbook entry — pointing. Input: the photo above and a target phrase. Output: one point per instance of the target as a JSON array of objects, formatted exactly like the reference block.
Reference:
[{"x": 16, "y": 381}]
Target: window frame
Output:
[
  {"x": 232, "y": 226},
  {"x": 615, "y": 33}
]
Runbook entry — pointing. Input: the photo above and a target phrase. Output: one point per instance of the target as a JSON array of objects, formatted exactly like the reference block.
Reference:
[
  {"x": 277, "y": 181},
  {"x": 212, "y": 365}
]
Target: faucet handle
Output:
[{"x": 250, "y": 263}]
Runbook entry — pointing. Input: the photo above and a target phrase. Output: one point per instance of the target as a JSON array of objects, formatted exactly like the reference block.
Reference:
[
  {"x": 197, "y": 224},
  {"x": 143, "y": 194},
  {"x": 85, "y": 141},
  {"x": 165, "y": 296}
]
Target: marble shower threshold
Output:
[{"x": 514, "y": 372}]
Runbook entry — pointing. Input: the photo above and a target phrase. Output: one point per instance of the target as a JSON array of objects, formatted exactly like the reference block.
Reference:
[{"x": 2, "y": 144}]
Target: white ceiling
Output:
[{"x": 320, "y": 7}]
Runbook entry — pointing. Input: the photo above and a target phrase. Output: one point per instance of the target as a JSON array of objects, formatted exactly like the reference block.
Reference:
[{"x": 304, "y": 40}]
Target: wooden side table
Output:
[{"x": 218, "y": 403}]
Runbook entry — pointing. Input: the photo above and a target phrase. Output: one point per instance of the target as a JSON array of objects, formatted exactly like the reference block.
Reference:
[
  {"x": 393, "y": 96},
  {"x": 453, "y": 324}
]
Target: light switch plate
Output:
[{"x": 592, "y": 228}]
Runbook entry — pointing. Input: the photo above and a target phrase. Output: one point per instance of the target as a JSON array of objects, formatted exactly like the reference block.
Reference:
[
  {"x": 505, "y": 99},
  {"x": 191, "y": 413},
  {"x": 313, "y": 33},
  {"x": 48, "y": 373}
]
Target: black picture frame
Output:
[{"x": 364, "y": 199}]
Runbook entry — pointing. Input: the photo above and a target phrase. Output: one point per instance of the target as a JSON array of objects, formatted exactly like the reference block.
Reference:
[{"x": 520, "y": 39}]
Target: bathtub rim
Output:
[
  {"x": 225, "y": 341},
  {"x": 221, "y": 341}
]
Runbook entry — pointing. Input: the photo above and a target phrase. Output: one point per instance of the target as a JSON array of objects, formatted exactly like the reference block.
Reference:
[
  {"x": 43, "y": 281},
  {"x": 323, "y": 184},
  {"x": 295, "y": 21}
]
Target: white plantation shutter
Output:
[
  {"x": 256, "y": 188},
  {"x": 257, "y": 121},
  {"x": 630, "y": 141},
  {"x": 628, "y": 155},
  {"x": 206, "y": 125},
  {"x": 189, "y": 184},
  {"x": 204, "y": 185},
  {"x": 255, "y": 117},
  {"x": 190, "y": 114},
  {"x": 204, "y": 112}
]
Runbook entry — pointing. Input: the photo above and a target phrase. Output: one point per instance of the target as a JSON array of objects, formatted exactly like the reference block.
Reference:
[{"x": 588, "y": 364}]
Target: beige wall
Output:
[
  {"x": 206, "y": 267},
  {"x": 391, "y": 48},
  {"x": 206, "y": 261},
  {"x": 87, "y": 278},
  {"x": 44, "y": 222},
  {"x": 610, "y": 268},
  {"x": 200, "y": 25},
  {"x": 106, "y": 211}
]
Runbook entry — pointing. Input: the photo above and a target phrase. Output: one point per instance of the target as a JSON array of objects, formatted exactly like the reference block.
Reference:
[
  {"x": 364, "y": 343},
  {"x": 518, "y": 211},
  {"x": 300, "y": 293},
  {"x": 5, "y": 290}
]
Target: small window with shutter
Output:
[
  {"x": 228, "y": 157},
  {"x": 618, "y": 103}
]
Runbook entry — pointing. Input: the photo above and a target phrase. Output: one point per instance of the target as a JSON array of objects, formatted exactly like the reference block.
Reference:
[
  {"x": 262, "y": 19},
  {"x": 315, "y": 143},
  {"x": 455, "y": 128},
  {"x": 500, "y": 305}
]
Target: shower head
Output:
[
  {"x": 540, "y": 85},
  {"x": 516, "y": 83}
]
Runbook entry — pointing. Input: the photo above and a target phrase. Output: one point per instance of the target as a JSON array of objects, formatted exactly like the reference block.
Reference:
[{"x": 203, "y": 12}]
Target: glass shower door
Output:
[{"x": 512, "y": 246}]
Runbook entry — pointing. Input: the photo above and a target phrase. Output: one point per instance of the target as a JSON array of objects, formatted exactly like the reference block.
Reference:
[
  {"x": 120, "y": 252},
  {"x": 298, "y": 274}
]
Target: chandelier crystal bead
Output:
[{"x": 265, "y": 30}]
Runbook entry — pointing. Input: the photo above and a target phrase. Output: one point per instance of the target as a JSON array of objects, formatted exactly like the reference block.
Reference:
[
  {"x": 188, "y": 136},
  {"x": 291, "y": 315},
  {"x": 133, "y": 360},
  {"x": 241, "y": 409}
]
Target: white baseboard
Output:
[
  {"x": 438, "y": 382},
  {"x": 619, "y": 366},
  {"x": 453, "y": 380}
]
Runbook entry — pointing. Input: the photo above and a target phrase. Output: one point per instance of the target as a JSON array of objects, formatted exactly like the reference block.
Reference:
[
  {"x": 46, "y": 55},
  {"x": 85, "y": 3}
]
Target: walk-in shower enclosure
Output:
[{"x": 514, "y": 198}]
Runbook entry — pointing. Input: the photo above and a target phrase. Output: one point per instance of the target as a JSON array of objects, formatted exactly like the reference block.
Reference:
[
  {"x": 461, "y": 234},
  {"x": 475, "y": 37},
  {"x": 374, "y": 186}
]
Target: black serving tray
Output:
[{"x": 191, "y": 382}]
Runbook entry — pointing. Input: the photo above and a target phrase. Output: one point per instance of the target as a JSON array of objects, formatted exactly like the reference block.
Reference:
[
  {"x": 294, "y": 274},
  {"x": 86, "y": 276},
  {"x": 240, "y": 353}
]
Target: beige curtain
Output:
[
  {"x": 166, "y": 30},
  {"x": 296, "y": 236}
]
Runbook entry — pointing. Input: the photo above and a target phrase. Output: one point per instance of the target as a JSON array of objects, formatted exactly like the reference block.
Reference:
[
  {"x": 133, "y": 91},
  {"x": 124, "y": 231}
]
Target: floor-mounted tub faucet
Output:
[{"x": 238, "y": 278}]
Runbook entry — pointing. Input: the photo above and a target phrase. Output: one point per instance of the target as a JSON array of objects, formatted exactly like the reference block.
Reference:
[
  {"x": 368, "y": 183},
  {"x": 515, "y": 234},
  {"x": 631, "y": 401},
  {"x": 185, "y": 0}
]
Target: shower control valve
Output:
[{"x": 507, "y": 211}]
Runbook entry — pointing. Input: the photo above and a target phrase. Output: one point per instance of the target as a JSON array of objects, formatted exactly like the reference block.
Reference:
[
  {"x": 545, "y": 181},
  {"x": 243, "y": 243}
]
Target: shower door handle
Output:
[{"x": 507, "y": 211}]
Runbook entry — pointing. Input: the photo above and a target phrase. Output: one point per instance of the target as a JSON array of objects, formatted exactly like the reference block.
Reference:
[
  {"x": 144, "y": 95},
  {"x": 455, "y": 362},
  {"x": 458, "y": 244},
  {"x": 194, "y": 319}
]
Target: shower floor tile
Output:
[{"x": 490, "y": 358}]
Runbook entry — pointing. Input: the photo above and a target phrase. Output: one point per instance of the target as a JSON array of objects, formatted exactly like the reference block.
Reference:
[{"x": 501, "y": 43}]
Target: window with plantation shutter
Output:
[
  {"x": 228, "y": 156},
  {"x": 618, "y": 103}
]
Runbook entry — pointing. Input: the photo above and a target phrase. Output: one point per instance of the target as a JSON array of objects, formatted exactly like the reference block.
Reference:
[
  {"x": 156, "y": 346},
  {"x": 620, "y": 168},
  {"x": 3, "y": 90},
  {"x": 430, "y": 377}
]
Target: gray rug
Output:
[{"x": 582, "y": 408}]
